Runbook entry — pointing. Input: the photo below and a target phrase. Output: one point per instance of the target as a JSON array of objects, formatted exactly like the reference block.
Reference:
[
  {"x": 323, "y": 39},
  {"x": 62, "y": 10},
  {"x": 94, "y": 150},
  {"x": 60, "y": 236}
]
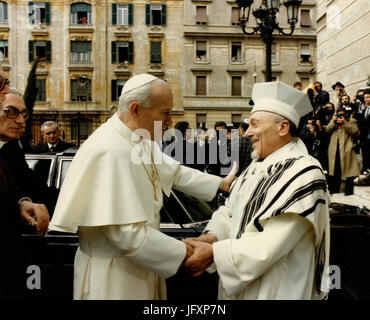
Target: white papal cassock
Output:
[
  {"x": 108, "y": 198},
  {"x": 273, "y": 232}
]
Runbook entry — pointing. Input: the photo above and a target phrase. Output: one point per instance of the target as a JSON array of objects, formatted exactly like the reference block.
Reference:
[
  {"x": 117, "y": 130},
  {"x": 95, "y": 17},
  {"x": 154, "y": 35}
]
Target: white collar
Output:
[{"x": 2, "y": 143}]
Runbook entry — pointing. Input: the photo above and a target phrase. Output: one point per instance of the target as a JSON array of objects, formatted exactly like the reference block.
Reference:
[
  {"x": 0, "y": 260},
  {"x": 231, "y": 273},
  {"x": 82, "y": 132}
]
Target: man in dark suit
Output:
[
  {"x": 51, "y": 135},
  {"x": 19, "y": 189},
  {"x": 364, "y": 125}
]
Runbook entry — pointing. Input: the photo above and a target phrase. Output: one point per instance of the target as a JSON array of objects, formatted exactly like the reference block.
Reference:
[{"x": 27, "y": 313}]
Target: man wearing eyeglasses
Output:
[{"x": 18, "y": 186}]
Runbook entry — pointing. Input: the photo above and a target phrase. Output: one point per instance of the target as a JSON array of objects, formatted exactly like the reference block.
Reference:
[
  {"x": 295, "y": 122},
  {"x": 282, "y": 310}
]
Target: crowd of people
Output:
[{"x": 337, "y": 134}]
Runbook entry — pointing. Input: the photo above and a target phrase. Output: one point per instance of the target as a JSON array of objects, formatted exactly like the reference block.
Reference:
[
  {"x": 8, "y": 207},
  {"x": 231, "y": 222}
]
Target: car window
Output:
[
  {"x": 41, "y": 167},
  {"x": 63, "y": 169},
  {"x": 199, "y": 210}
]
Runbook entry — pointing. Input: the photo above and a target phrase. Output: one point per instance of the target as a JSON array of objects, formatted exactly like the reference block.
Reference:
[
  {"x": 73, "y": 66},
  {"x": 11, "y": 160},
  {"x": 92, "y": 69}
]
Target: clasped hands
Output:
[{"x": 199, "y": 254}]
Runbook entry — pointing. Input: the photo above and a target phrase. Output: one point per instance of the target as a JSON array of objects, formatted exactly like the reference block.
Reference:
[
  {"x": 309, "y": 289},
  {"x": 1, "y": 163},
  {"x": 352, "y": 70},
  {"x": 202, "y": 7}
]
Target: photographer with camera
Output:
[{"x": 341, "y": 155}]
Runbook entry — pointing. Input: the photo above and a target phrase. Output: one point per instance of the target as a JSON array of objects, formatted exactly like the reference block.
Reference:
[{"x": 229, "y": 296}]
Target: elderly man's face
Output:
[
  {"x": 263, "y": 132},
  {"x": 162, "y": 104},
  {"x": 12, "y": 128},
  {"x": 51, "y": 134}
]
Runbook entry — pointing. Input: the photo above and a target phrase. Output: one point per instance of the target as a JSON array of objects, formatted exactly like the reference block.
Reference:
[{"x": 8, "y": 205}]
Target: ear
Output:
[
  {"x": 284, "y": 128},
  {"x": 134, "y": 110}
]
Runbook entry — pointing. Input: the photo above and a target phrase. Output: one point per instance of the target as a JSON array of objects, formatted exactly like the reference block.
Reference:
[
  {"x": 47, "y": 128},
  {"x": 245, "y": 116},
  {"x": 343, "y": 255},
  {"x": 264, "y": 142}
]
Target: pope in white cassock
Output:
[
  {"x": 112, "y": 196},
  {"x": 271, "y": 238}
]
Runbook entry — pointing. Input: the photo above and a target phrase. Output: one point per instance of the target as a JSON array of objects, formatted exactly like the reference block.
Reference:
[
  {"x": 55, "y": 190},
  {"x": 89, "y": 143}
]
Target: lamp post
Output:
[{"x": 266, "y": 23}]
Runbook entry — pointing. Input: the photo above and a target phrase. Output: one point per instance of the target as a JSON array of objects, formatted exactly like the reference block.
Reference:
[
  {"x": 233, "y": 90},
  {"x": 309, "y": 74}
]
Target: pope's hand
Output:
[
  {"x": 228, "y": 180},
  {"x": 201, "y": 259}
]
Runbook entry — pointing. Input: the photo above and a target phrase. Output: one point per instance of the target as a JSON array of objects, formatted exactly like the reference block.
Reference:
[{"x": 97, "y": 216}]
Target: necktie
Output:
[{"x": 52, "y": 148}]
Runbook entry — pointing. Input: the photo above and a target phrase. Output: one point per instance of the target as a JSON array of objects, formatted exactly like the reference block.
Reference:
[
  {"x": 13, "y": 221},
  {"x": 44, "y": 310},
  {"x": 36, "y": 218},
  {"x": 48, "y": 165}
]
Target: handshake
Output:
[{"x": 199, "y": 253}]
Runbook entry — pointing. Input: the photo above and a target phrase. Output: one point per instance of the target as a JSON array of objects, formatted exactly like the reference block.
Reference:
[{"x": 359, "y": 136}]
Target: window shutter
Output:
[
  {"x": 47, "y": 12},
  {"x": 114, "y": 52},
  {"x": 155, "y": 52},
  {"x": 5, "y": 8},
  {"x": 48, "y": 51},
  {"x": 235, "y": 15},
  {"x": 163, "y": 13},
  {"x": 130, "y": 52},
  {"x": 114, "y": 13},
  {"x": 305, "y": 18},
  {"x": 201, "y": 88},
  {"x": 236, "y": 86},
  {"x": 201, "y": 14},
  {"x": 202, "y": 45},
  {"x": 31, "y": 13},
  {"x": 130, "y": 14},
  {"x": 147, "y": 14},
  {"x": 31, "y": 51},
  {"x": 114, "y": 90}
]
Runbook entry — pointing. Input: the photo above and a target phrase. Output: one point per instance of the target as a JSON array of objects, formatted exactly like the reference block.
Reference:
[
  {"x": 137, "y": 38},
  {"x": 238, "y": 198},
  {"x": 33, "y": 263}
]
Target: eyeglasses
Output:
[
  {"x": 13, "y": 113},
  {"x": 3, "y": 83}
]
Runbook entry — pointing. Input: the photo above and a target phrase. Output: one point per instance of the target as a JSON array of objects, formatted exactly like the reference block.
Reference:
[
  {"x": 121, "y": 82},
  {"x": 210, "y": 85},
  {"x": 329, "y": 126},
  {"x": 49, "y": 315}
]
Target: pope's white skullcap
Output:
[
  {"x": 279, "y": 98},
  {"x": 137, "y": 82}
]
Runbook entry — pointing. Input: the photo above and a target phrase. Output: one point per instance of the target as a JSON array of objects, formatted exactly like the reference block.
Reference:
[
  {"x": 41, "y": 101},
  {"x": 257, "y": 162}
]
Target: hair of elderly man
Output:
[
  {"x": 15, "y": 91},
  {"x": 49, "y": 124},
  {"x": 292, "y": 128},
  {"x": 141, "y": 94}
]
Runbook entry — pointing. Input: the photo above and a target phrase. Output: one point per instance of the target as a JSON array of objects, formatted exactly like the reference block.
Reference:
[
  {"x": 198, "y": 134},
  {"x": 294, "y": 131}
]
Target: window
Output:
[
  {"x": 80, "y": 51},
  {"x": 236, "y": 86},
  {"x": 80, "y": 13},
  {"x": 117, "y": 86},
  {"x": 3, "y": 50},
  {"x": 155, "y": 52},
  {"x": 122, "y": 52},
  {"x": 39, "y": 12},
  {"x": 273, "y": 53},
  {"x": 236, "y": 51},
  {"x": 3, "y": 12},
  {"x": 236, "y": 119},
  {"x": 201, "y": 51},
  {"x": 40, "y": 50},
  {"x": 201, "y": 120},
  {"x": 201, "y": 17},
  {"x": 41, "y": 89},
  {"x": 122, "y": 14},
  {"x": 81, "y": 91},
  {"x": 81, "y": 129},
  {"x": 201, "y": 85},
  {"x": 155, "y": 14},
  {"x": 305, "y": 18},
  {"x": 305, "y": 53},
  {"x": 235, "y": 14}
]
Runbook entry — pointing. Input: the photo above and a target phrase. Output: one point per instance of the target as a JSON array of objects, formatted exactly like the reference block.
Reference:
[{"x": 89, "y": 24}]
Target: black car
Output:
[{"x": 184, "y": 216}]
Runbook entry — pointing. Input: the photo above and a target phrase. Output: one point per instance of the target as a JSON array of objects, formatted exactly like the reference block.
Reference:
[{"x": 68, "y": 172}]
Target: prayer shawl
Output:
[
  {"x": 108, "y": 198},
  {"x": 273, "y": 232}
]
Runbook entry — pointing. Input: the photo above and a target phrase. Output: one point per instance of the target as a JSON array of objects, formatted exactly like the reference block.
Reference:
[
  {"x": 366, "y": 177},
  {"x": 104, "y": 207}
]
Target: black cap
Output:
[{"x": 337, "y": 84}]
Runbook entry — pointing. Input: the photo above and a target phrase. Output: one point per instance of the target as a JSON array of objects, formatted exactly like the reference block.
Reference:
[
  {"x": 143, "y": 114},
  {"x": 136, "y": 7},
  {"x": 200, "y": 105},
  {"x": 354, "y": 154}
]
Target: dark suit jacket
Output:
[{"x": 44, "y": 147}]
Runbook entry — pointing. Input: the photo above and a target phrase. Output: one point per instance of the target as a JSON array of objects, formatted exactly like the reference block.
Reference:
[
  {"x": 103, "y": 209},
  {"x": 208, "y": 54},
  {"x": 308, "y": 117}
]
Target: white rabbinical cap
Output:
[
  {"x": 137, "y": 82},
  {"x": 277, "y": 97}
]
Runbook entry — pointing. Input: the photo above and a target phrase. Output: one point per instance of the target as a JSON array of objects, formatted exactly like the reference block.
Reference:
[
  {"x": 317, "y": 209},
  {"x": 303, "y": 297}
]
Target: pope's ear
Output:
[{"x": 134, "y": 110}]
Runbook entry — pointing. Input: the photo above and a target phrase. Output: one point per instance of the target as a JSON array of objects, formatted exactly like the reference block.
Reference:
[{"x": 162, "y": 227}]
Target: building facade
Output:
[
  {"x": 343, "y": 42},
  {"x": 86, "y": 50}
]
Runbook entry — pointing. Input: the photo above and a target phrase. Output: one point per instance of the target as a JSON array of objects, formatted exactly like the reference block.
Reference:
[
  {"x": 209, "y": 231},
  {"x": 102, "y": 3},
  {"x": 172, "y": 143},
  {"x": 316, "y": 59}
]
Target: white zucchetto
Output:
[
  {"x": 137, "y": 82},
  {"x": 277, "y": 97}
]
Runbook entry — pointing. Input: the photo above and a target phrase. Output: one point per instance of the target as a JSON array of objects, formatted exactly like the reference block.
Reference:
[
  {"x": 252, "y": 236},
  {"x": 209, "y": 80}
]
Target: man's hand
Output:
[
  {"x": 206, "y": 237},
  {"x": 36, "y": 214},
  {"x": 201, "y": 259},
  {"x": 228, "y": 180}
]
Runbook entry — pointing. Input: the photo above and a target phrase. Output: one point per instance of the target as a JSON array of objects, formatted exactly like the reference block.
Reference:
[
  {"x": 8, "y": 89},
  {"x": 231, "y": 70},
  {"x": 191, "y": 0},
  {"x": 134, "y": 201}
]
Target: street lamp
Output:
[{"x": 266, "y": 23}]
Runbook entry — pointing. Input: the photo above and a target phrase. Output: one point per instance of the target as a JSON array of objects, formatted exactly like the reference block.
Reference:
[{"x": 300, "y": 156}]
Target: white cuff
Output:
[{"x": 160, "y": 253}]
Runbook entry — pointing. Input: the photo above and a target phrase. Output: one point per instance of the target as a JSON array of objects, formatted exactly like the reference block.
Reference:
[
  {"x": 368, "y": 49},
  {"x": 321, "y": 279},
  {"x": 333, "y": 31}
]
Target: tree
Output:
[{"x": 29, "y": 98}]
